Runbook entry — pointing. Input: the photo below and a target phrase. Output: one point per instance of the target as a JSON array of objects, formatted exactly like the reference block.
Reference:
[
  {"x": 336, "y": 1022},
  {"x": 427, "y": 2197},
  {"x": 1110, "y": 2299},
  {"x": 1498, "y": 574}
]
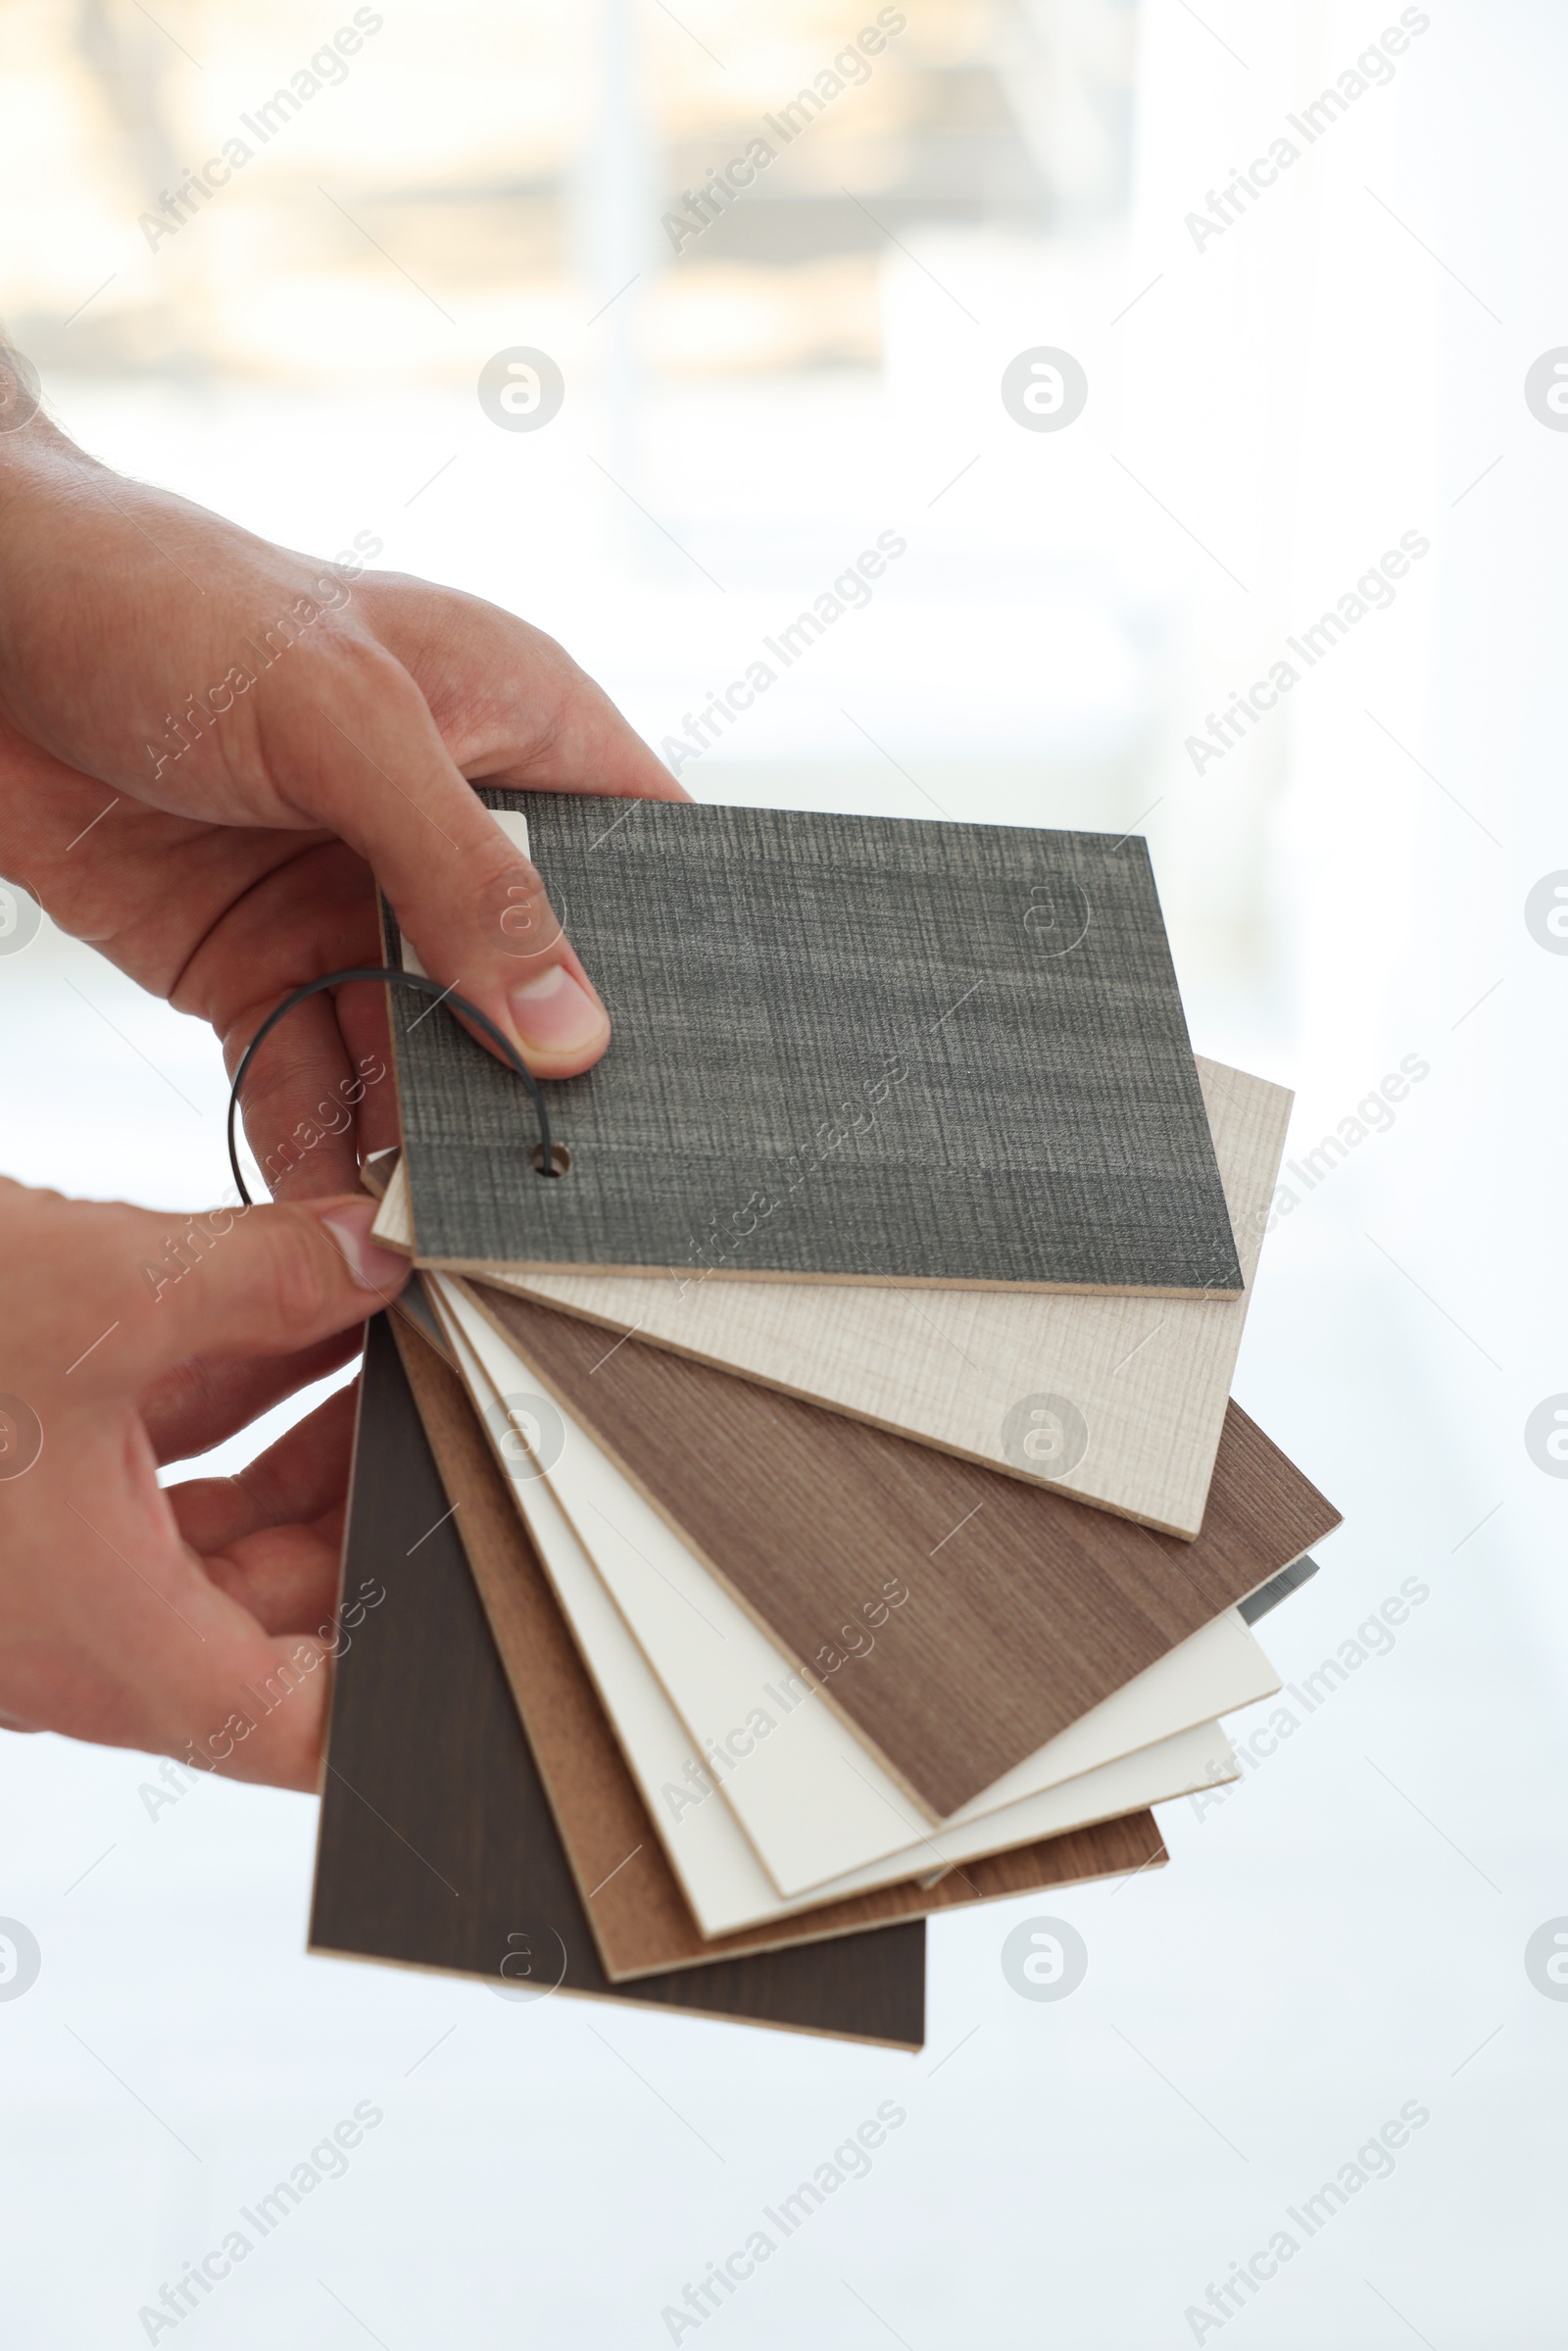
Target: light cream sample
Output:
[{"x": 1149, "y": 1377}]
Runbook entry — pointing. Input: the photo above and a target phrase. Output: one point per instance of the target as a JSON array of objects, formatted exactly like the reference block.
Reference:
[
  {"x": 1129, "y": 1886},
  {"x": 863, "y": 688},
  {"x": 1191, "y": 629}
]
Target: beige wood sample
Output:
[
  {"x": 1149, "y": 1378},
  {"x": 967, "y": 1369},
  {"x": 640, "y": 1922}
]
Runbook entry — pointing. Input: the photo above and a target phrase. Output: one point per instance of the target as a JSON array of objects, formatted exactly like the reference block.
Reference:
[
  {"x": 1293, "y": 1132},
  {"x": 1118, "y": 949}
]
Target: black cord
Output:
[{"x": 422, "y": 987}]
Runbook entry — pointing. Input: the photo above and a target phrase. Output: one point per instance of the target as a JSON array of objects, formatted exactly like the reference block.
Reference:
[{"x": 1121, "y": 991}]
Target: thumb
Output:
[
  {"x": 379, "y": 774},
  {"x": 259, "y": 1281}
]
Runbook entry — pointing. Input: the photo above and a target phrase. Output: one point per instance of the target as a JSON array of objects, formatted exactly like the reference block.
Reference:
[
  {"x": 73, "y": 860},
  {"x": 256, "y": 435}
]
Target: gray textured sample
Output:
[
  {"x": 856, "y": 1048},
  {"x": 1279, "y": 1588}
]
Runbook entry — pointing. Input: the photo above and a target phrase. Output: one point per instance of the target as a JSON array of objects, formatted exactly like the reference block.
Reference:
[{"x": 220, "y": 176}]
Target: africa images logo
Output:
[
  {"x": 1546, "y": 1436},
  {"x": 1044, "y": 1436},
  {"x": 521, "y": 389},
  {"x": 20, "y": 391},
  {"x": 21, "y": 1436},
  {"x": 1547, "y": 1959},
  {"x": 1044, "y": 389},
  {"x": 1044, "y": 1959},
  {"x": 20, "y": 918},
  {"x": 20, "y": 1959},
  {"x": 1547, "y": 389},
  {"x": 1545, "y": 909}
]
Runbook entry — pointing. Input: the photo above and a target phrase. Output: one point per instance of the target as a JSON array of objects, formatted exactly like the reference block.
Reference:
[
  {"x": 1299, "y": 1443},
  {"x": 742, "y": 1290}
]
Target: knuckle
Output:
[
  {"x": 365, "y": 661},
  {"x": 362, "y": 671}
]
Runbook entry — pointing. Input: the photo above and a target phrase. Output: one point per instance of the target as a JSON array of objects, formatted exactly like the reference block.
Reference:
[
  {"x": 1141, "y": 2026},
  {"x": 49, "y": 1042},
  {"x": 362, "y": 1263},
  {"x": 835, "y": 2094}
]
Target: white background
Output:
[{"x": 1345, "y": 1932}]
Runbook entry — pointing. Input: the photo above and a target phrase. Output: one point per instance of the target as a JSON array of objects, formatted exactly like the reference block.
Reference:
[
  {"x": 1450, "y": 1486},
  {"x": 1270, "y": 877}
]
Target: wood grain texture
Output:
[
  {"x": 437, "y": 1847},
  {"x": 862, "y": 1049},
  {"x": 1026, "y": 1609},
  {"x": 1149, "y": 1378},
  {"x": 633, "y": 1901}
]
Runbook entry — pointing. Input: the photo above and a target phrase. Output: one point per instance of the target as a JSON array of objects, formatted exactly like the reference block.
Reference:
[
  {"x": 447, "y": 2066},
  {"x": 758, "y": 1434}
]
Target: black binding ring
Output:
[{"x": 545, "y": 1157}]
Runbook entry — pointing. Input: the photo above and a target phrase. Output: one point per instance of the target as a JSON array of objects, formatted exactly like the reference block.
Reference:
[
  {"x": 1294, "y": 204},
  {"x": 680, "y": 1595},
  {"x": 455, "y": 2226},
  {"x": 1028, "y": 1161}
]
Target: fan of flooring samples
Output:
[
  {"x": 847, "y": 1048},
  {"x": 821, "y": 1507}
]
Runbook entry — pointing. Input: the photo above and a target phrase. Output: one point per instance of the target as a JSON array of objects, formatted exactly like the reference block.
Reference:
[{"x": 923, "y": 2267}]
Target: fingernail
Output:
[
  {"x": 556, "y": 1013},
  {"x": 372, "y": 1268}
]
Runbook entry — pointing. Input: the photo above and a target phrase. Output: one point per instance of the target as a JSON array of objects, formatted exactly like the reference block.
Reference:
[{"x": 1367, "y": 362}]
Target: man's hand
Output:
[
  {"x": 207, "y": 743},
  {"x": 193, "y": 1620}
]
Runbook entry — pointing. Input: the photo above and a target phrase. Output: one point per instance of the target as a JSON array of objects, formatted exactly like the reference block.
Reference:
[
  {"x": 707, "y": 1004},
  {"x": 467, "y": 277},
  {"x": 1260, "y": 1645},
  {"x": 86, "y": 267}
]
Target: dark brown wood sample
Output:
[
  {"x": 436, "y": 1845},
  {"x": 632, "y": 1896},
  {"x": 1025, "y": 1608},
  {"x": 846, "y": 1047}
]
